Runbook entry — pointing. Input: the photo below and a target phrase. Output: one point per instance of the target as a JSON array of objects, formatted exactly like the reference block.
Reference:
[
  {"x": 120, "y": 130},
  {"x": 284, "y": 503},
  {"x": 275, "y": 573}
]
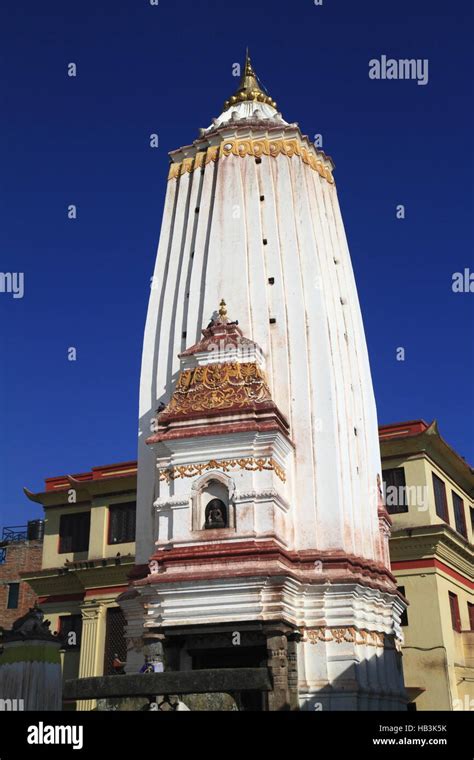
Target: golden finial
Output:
[
  {"x": 223, "y": 311},
  {"x": 249, "y": 88}
]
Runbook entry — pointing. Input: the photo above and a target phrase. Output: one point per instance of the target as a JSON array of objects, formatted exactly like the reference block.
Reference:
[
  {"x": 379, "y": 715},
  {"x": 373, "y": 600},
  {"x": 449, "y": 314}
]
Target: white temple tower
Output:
[{"x": 273, "y": 420}]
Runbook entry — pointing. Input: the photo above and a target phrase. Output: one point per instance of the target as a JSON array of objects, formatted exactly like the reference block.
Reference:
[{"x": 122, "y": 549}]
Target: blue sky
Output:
[{"x": 167, "y": 69}]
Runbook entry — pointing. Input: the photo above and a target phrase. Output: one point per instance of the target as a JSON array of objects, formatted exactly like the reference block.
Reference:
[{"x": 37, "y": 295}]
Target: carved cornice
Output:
[
  {"x": 253, "y": 147},
  {"x": 436, "y": 541},
  {"x": 91, "y": 611},
  {"x": 269, "y": 493},
  {"x": 171, "y": 503},
  {"x": 248, "y": 558}
]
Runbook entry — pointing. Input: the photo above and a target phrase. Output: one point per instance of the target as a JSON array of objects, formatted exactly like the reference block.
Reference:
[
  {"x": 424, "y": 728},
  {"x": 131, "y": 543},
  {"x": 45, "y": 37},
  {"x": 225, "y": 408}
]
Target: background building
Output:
[
  {"x": 88, "y": 552},
  {"x": 429, "y": 493},
  {"x": 21, "y": 550}
]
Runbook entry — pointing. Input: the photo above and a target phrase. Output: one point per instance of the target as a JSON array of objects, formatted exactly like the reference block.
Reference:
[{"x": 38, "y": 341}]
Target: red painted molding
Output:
[
  {"x": 96, "y": 473},
  {"x": 265, "y": 557},
  {"x": 221, "y": 429},
  {"x": 402, "y": 429},
  {"x": 413, "y": 564},
  {"x": 105, "y": 590},
  {"x": 52, "y": 598}
]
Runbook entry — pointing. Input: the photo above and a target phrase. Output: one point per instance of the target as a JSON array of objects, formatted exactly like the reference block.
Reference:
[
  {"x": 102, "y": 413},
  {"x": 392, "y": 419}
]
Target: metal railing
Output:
[{"x": 11, "y": 534}]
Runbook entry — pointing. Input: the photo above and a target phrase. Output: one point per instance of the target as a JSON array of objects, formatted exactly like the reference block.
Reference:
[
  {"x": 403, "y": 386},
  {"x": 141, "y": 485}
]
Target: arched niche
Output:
[{"x": 212, "y": 486}]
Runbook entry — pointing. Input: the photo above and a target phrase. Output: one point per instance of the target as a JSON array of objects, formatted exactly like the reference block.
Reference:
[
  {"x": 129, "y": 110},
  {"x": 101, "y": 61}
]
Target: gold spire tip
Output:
[
  {"x": 223, "y": 309},
  {"x": 249, "y": 88}
]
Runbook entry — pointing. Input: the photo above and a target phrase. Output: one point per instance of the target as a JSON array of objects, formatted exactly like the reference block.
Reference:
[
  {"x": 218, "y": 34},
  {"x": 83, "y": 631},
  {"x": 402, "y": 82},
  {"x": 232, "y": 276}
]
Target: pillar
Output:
[
  {"x": 91, "y": 661},
  {"x": 277, "y": 662}
]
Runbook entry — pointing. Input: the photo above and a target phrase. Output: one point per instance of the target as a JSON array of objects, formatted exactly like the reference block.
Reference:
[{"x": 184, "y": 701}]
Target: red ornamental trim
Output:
[
  {"x": 413, "y": 564},
  {"x": 217, "y": 429}
]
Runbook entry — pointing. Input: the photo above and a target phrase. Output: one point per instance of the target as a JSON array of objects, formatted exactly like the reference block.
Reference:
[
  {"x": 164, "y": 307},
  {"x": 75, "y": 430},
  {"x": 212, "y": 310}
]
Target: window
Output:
[
  {"x": 395, "y": 490},
  {"x": 70, "y": 631},
  {"x": 74, "y": 532},
  {"x": 404, "y": 617},
  {"x": 440, "y": 498},
  {"x": 115, "y": 642},
  {"x": 455, "y": 616},
  {"x": 459, "y": 519},
  {"x": 13, "y": 595},
  {"x": 122, "y": 523},
  {"x": 470, "y": 609}
]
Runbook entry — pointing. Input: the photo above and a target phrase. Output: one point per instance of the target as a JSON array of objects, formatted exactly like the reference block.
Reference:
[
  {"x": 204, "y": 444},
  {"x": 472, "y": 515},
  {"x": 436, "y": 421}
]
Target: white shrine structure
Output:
[{"x": 262, "y": 537}]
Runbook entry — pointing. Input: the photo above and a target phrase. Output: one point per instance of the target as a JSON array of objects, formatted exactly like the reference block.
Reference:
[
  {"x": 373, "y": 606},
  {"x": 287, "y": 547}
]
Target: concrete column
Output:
[{"x": 91, "y": 662}]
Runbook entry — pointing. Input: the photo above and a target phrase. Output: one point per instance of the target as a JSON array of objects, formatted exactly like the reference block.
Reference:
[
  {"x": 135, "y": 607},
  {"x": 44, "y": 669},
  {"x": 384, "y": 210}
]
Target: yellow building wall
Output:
[
  {"x": 419, "y": 509},
  {"x": 425, "y": 663},
  {"x": 51, "y": 555},
  {"x": 99, "y": 547},
  {"x": 435, "y": 657},
  {"x": 457, "y": 643}
]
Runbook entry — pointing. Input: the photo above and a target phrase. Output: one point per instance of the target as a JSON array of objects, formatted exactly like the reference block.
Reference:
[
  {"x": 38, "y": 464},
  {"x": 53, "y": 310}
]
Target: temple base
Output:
[{"x": 326, "y": 646}]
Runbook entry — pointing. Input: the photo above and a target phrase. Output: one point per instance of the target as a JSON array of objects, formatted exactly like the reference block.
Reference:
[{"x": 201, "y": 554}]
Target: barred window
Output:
[
  {"x": 115, "y": 642},
  {"x": 122, "y": 523},
  {"x": 74, "y": 532}
]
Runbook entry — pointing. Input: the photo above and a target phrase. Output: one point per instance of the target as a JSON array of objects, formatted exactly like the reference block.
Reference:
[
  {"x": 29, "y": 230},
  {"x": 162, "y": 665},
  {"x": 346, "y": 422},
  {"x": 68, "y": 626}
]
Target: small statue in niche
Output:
[{"x": 216, "y": 514}]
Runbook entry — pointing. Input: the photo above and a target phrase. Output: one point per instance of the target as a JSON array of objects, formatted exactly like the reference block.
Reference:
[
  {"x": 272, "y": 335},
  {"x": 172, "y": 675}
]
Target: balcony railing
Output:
[{"x": 10, "y": 535}]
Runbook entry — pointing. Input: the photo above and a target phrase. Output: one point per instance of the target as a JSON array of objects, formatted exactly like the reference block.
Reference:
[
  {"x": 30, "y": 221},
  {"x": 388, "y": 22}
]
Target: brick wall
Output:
[{"x": 20, "y": 557}]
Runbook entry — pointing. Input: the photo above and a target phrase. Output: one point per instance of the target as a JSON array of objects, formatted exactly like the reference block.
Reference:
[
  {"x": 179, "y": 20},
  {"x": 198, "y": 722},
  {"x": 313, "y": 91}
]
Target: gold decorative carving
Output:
[
  {"x": 256, "y": 148},
  {"x": 174, "y": 171},
  {"x": 243, "y": 463},
  {"x": 218, "y": 386},
  {"x": 199, "y": 159},
  {"x": 349, "y": 635}
]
